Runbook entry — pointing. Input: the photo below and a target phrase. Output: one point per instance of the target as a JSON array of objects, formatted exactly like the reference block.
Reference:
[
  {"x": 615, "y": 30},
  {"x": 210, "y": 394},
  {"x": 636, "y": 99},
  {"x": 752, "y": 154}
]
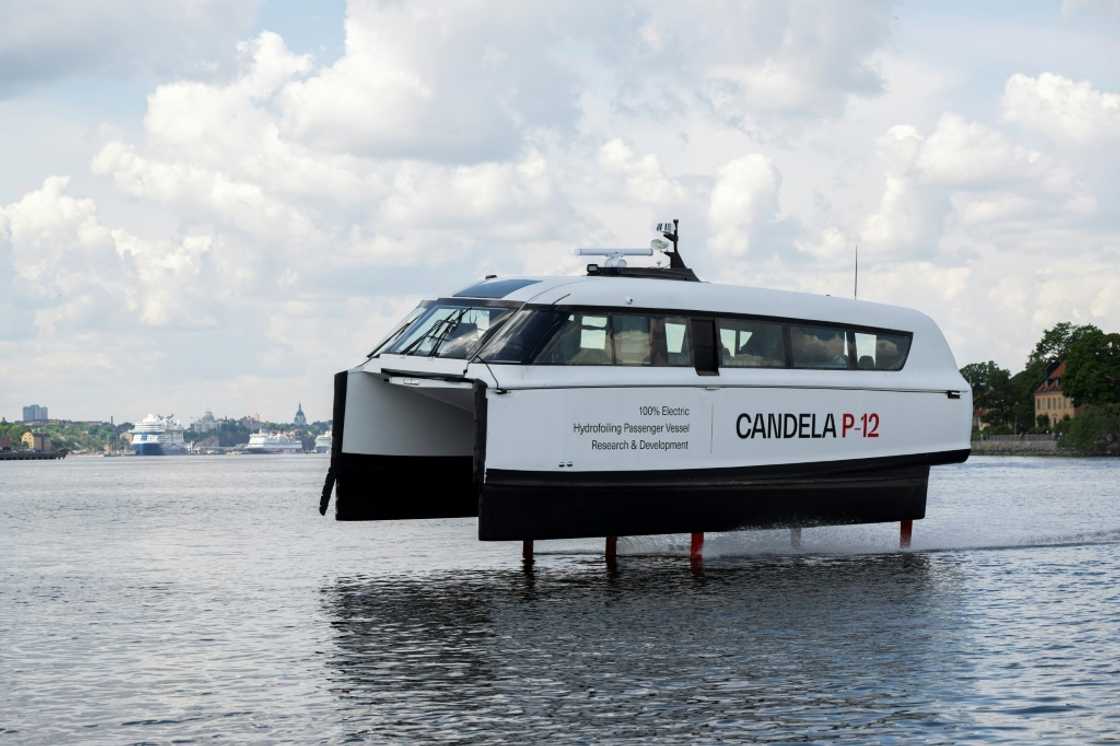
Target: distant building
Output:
[
  {"x": 1049, "y": 399},
  {"x": 300, "y": 419},
  {"x": 36, "y": 441},
  {"x": 205, "y": 424},
  {"x": 34, "y": 413}
]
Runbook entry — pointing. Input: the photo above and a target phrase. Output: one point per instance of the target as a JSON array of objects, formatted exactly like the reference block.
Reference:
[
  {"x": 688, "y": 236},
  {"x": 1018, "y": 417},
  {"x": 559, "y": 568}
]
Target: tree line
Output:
[
  {"x": 73, "y": 436},
  {"x": 100, "y": 436},
  {"x": 1091, "y": 379}
]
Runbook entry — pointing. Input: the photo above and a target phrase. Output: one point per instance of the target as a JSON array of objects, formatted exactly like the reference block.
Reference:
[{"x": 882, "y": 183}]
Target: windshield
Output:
[
  {"x": 447, "y": 329},
  {"x": 399, "y": 329}
]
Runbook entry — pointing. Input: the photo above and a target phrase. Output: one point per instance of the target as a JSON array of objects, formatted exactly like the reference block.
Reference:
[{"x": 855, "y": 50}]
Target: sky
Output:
[{"x": 216, "y": 204}]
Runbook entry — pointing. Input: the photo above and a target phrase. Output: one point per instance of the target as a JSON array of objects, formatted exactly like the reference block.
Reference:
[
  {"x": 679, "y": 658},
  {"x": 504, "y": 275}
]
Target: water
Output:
[{"x": 197, "y": 599}]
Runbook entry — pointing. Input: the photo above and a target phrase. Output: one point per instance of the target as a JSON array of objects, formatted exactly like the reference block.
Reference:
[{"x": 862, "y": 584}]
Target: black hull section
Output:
[
  {"x": 386, "y": 488},
  {"x": 550, "y": 505}
]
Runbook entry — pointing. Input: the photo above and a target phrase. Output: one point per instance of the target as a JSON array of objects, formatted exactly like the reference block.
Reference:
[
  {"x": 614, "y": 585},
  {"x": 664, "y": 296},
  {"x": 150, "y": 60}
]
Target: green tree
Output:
[
  {"x": 991, "y": 391},
  {"x": 1095, "y": 431},
  {"x": 1056, "y": 343},
  {"x": 1023, "y": 385},
  {"x": 1052, "y": 348},
  {"x": 1093, "y": 369}
]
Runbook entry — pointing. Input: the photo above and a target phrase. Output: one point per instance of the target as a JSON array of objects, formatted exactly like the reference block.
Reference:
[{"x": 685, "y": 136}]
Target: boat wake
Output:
[{"x": 834, "y": 541}]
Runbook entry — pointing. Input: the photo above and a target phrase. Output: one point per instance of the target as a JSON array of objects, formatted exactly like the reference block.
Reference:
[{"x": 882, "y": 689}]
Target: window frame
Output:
[{"x": 690, "y": 315}]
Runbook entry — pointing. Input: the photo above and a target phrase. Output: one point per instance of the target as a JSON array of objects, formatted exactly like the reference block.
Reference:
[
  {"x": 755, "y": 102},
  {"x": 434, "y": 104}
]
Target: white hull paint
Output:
[
  {"x": 544, "y": 450},
  {"x": 642, "y": 428}
]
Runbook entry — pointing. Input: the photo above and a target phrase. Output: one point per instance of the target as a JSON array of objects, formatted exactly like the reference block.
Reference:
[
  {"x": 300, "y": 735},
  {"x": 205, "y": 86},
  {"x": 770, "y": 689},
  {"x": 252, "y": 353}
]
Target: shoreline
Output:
[{"x": 1048, "y": 449}]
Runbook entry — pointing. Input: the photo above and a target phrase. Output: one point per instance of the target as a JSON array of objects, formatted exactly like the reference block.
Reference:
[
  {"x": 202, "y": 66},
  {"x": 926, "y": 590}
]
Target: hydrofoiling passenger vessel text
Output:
[{"x": 643, "y": 401}]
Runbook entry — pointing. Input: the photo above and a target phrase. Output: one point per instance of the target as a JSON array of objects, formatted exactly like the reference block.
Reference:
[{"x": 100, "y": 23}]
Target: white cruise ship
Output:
[
  {"x": 262, "y": 442},
  {"x": 158, "y": 436},
  {"x": 323, "y": 442}
]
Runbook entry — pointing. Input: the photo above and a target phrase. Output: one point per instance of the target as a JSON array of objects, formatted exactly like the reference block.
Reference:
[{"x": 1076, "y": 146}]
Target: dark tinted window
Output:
[
  {"x": 592, "y": 337},
  {"x": 522, "y": 336},
  {"x": 749, "y": 343},
  {"x": 819, "y": 347},
  {"x": 493, "y": 288},
  {"x": 881, "y": 350},
  {"x": 583, "y": 339},
  {"x": 677, "y": 341},
  {"x": 632, "y": 339},
  {"x": 550, "y": 336}
]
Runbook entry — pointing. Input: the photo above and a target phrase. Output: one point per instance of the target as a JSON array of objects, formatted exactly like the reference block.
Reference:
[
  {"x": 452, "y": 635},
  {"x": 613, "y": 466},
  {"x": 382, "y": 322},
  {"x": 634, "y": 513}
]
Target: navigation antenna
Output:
[
  {"x": 855, "y": 288},
  {"x": 667, "y": 243},
  {"x": 671, "y": 231}
]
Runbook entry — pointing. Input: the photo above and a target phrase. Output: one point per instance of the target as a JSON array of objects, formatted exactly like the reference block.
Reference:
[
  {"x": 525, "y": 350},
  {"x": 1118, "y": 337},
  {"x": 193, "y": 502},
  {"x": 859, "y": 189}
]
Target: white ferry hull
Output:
[
  {"x": 563, "y": 463},
  {"x": 621, "y": 405}
]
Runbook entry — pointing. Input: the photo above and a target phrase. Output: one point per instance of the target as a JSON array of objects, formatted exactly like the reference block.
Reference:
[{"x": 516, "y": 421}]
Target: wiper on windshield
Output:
[
  {"x": 446, "y": 331},
  {"x": 437, "y": 331}
]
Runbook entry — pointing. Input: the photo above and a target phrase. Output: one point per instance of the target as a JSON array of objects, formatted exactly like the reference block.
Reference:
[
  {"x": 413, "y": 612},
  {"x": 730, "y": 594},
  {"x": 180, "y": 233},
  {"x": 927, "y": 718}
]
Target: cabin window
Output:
[
  {"x": 819, "y": 347},
  {"x": 558, "y": 336},
  {"x": 678, "y": 345},
  {"x": 584, "y": 339},
  {"x": 521, "y": 337},
  {"x": 748, "y": 343},
  {"x": 881, "y": 350},
  {"x": 632, "y": 344},
  {"x": 448, "y": 330},
  {"x": 593, "y": 338}
]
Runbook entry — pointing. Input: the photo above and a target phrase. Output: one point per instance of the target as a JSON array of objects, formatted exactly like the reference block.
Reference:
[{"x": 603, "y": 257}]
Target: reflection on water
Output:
[
  {"x": 202, "y": 599},
  {"x": 649, "y": 652}
]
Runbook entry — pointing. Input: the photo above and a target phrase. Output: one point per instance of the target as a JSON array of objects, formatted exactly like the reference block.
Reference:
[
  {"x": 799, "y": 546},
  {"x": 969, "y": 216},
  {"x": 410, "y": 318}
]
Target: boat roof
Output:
[{"x": 645, "y": 293}]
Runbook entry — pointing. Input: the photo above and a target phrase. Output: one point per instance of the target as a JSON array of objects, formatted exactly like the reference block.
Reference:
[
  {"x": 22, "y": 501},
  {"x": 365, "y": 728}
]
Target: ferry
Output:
[
  {"x": 323, "y": 442},
  {"x": 640, "y": 400},
  {"x": 265, "y": 442},
  {"x": 156, "y": 435}
]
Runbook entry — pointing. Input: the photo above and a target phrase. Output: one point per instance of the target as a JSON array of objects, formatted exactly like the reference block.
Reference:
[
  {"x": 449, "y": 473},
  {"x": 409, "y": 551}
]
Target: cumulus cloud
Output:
[
  {"x": 52, "y": 38},
  {"x": 744, "y": 203},
  {"x": 968, "y": 173},
  {"x": 437, "y": 82},
  {"x": 810, "y": 69},
  {"x": 644, "y": 178},
  {"x": 1069, "y": 111},
  {"x": 259, "y": 228},
  {"x": 71, "y": 272}
]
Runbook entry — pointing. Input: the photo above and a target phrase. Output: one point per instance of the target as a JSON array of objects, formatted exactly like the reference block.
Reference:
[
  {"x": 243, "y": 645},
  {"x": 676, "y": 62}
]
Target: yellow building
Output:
[
  {"x": 1049, "y": 399},
  {"x": 36, "y": 441}
]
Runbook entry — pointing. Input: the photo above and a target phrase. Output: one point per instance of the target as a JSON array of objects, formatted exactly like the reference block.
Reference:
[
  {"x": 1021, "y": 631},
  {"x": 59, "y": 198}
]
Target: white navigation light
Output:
[{"x": 614, "y": 256}]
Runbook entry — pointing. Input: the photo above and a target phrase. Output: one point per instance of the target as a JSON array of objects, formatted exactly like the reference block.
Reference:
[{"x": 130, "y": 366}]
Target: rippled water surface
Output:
[{"x": 158, "y": 599}]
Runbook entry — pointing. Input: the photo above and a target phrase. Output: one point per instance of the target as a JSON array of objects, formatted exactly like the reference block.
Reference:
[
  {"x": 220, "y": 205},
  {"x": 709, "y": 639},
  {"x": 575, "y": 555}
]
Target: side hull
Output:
[
  {"x": 148, "y": 449},
  {"x": 550, "y": 505},
  {"x": 398, "y": 454},
  {"x": 386, "y": 488}
]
